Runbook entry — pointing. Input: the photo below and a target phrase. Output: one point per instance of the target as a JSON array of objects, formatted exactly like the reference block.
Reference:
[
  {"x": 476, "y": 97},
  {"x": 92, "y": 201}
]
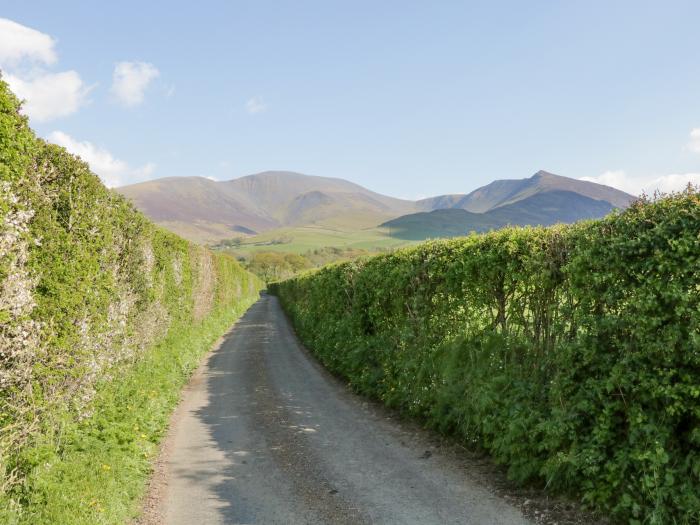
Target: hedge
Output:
[
  {"x": 89, "y": 291},
  {"x": 570, "y": 353}
]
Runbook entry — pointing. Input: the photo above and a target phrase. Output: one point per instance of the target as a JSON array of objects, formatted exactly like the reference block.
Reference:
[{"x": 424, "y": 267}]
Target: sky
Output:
[{"x": 411, "y": 99}]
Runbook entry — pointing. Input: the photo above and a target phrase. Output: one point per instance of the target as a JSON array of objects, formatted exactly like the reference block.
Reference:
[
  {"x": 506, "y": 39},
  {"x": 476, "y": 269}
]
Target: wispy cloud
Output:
[
  {"x": 636, "y": 185},
  {"x": 130, "y": 81},
  {"x": 650, "y": 184},
  {"x": 694, "y": 143},
  {"x": 24, "y": 53},
  {"x": 255, "y": 105},
  {"x": 112, "y": 171}
]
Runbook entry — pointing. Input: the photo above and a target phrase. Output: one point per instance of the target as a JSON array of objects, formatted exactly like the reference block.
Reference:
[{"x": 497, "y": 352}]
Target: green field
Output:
[{"x": 305, "y": 238}]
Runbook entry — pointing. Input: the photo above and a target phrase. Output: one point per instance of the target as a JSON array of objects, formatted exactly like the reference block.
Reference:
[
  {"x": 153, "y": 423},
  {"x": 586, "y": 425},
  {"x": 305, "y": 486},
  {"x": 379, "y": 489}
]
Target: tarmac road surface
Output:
[{"x": 265, "y": 435}]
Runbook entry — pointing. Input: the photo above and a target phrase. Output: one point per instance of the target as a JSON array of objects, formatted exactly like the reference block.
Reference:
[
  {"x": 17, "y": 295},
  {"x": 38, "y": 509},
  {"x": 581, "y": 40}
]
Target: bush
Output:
[
  {"x": 89, "y": 291},
  {"x": 273, "y": 266},
  {"x": 570, "y": 353}
]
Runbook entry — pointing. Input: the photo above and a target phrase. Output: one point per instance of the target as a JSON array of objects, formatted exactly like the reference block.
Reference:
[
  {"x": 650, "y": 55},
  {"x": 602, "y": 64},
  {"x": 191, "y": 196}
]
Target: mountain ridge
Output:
[
  {"x": 208, "y": 211},
  {"x": 540, "y": 209},
  {"x": 481, "y": 199}
]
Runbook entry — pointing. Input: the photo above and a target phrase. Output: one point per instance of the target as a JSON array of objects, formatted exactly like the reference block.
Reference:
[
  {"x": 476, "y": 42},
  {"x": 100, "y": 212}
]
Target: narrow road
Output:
[{"x": 265, "y": 435}]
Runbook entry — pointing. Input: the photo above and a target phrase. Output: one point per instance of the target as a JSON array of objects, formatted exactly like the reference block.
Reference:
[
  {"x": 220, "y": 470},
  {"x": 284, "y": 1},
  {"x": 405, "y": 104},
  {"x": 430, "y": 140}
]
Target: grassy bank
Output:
[
  {"x": 571, "y": 354},
  {"x": 102, "y": 317},
  {"x": 98, "y": 472}
]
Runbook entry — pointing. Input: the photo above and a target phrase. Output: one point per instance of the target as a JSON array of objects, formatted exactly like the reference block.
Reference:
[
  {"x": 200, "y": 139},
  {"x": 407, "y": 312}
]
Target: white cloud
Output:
[
  {"x": 636, "y": 185},
  {"x": 19, "y": 43},
  {"x": 130, "y": 81},
  {"x": 255, "y": 105},
  {"x": 23, "y": 52},
  {"x": 694, "y": 144},
  {"x": 616, "y": 179},
  {"x": 145, "y": 171},
  {"x": 50, "y": 95},
  {"x": 111, "y": 170}
]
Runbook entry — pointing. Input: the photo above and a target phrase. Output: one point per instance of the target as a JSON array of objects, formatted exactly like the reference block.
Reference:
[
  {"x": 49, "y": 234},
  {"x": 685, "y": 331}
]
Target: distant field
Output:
[{"x": 305, "y": 238}]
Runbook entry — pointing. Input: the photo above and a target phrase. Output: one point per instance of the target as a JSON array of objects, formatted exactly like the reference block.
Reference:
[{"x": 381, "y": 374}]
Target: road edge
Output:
[{"x": 151, "y": 505}]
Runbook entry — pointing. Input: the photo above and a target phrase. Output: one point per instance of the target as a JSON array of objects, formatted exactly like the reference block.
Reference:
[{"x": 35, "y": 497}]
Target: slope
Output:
[
  {"x": 273, "y": 203},
  {"x": 503, "y": 192},
  {"x": 207, "y": 211},
  {"x": 540, "y": 209}
]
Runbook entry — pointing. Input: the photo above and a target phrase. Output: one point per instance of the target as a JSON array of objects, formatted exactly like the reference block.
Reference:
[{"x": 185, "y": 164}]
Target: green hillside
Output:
[
  {"x": 441, "y": 223},
  {"x": 539, "y": 209},
  {"x": 304, "y": 238}
]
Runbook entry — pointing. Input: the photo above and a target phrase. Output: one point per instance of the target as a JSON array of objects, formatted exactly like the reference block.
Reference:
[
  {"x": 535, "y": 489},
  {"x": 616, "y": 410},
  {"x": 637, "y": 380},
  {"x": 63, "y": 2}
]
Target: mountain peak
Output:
[
  {"x": 542, "y": 174},
  {"x": 507, "y": 191}
]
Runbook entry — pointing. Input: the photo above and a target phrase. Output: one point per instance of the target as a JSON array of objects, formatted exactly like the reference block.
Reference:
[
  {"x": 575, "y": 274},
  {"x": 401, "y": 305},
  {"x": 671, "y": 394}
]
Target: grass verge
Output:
[{"x": 99, "y": 471}]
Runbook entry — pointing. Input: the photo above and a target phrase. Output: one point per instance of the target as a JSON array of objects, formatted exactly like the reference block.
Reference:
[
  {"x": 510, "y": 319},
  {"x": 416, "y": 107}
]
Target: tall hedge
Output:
[
  {"x": 570, "y": 353},
  {"x": 87, "y": 286}
]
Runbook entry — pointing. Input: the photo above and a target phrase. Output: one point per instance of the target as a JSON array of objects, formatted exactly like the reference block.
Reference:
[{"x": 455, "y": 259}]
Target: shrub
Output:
[
  {"x": 570, "y": 353},
  {"x": 89, "y": 291}
]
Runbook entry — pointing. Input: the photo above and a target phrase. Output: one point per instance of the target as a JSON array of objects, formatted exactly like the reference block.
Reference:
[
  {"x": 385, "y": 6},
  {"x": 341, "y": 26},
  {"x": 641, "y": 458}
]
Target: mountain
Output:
[
  {"x": 503, "y": 192},
  {"x": 539, "y": 209},
  {"x": 205, "y": 210},
  {"x": 208, "y": 211}
]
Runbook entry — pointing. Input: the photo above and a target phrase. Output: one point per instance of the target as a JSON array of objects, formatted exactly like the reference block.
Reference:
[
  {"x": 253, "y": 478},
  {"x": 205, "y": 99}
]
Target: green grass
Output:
[
  {"x": 99, "y": 473},
  {"x": 305, "y": 238}
]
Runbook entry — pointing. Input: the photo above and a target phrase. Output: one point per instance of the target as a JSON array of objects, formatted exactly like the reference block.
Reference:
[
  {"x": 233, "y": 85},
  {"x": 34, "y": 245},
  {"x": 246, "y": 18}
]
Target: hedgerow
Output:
[
  {"x": 570, "y": 353},
  {"x": 91, "y": 292}
]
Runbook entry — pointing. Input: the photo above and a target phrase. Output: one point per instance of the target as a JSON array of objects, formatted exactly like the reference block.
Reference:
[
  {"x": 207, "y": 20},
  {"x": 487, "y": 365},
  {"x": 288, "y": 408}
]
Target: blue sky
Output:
[{"x": 407, "y": 98}]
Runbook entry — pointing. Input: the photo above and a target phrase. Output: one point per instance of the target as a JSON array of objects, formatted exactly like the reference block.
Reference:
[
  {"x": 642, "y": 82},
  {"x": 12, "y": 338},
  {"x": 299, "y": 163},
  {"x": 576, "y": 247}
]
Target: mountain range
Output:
[
  {"x": 543, "y": 199},
  {"x": 208, "y": 211}
]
